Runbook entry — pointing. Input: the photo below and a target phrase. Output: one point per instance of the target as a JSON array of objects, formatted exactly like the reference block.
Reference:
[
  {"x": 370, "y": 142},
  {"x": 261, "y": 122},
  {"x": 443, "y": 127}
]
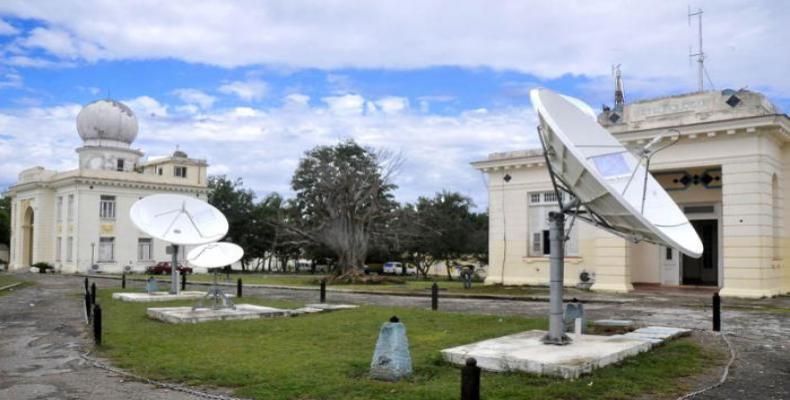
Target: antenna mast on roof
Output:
[
  {"x": 699, "y": 54},
  {"x": 619, "y": 94}
]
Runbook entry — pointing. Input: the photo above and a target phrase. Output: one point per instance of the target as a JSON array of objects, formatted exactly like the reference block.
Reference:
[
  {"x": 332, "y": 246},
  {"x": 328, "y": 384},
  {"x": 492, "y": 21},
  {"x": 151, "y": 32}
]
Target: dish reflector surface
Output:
[
  {"x": 179, "y": 219},
  {"x": 214, "y": 255},
  {"x": 596, "y": 168}
]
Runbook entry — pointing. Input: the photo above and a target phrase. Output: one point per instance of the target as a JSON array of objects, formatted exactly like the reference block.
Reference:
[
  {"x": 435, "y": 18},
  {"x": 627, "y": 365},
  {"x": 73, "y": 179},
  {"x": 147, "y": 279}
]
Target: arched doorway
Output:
[{"x": 27, "y": 237}]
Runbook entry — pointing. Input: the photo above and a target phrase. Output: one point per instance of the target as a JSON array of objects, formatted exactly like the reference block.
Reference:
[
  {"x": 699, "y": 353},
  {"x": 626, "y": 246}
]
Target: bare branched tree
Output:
[{"x": 343, "y": 195}]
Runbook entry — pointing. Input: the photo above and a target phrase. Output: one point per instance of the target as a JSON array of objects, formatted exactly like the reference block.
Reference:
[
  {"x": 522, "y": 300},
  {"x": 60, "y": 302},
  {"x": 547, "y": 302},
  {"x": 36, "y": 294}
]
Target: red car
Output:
[{"x": 163, "y": 267}]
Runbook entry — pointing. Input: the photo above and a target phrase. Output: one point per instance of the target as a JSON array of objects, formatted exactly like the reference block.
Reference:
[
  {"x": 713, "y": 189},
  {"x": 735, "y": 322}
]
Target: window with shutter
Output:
[{"x": 536, "y": 245}]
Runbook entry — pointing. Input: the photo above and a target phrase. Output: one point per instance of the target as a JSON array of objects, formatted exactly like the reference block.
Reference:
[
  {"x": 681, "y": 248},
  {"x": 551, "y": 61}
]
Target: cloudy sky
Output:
[{"x": 250, "y": 86}]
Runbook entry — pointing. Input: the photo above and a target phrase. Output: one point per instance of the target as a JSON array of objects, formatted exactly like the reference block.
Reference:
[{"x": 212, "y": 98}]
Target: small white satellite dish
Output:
[
  {"x": 612, "y": 185},
  {"x": 214, "y": 255},
  {"x": 177, "y": 219}
]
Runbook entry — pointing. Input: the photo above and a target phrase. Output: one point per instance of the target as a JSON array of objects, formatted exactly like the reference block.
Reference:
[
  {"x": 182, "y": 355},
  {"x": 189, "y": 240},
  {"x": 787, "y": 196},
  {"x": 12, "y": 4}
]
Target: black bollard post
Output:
[
  {"x": 434, "y": 296},
  {"x": 716, "y": 312},
  {"x": 97, "y": 324},
  {"x": 470, "y": 380},
  {"x": 123, "y": 280},
  {"x": 86, "y": 285},
  {"x": 184, "y": 281},
  {"x": 87, "y": 308},
  {"x": 93, "y": 293},
  {"x": 238, "y": 288},
  {"x": 323, "y": 291}
]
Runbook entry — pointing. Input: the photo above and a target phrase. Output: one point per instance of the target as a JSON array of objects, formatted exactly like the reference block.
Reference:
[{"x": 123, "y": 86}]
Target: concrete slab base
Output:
[
  {"x": 332, "y": 307},
  {"x": 615, "y": 323},
  {"x": 157, "y": 296},
  {"x": 526, "y": 353},
  {"x": 305, "y": 310},
  {"x": 185, "y": 315}
]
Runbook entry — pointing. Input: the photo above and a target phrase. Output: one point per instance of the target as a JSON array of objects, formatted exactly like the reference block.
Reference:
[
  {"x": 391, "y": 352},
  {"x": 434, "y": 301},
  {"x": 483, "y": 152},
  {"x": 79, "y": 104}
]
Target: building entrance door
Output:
[{"x": 704, "y": 270}]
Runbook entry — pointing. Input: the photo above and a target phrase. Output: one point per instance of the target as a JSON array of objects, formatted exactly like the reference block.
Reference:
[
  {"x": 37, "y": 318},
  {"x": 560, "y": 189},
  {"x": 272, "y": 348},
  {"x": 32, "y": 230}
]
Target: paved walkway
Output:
[{"x": 41, "y": 335}]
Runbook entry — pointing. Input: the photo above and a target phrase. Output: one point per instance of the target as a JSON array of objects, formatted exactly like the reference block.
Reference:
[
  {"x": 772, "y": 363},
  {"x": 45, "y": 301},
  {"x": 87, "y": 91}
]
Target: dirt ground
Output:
[{"x": 43, "y": 336}]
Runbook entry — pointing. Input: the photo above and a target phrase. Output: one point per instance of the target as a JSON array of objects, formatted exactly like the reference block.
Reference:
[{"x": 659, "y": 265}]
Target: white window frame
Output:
[
  {"x": 58, "y": 248},
  {"x": 70, "y": 249},
  {"x": 59, "y": 208},
  {"x": 104, "y": 254},
  {"x": 141, "y": 249},
  {"x": 538, "y": 208},
  {"x": 107, "y": 206}
]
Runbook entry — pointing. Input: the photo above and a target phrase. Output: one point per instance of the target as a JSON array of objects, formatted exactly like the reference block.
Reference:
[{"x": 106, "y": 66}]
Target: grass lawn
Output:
[
  {"x": 326, "y": 356},
  {"x": 6, "y": 280},
  {"x": 411, "y": 285}
]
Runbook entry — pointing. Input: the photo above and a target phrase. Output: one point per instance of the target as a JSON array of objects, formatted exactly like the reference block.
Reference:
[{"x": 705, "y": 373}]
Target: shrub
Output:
[{"x": 44, "y": 267}]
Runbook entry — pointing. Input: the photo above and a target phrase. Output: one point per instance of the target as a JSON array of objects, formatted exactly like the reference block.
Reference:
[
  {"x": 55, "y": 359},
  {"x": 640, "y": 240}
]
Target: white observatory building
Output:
[
  {"x": 729, "y": 172},
  {"x": 74, "y": 219}
]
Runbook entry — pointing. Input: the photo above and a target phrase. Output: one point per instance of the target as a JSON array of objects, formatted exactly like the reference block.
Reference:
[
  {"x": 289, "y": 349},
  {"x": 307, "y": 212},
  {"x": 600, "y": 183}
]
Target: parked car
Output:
[
  {"x": 163, "y": 268},
  {"x": 396, "y": 268}
]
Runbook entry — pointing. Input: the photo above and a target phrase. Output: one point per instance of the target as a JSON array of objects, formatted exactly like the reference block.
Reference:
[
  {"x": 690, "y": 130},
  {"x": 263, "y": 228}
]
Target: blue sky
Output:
[{"x": 252, "y": 85}]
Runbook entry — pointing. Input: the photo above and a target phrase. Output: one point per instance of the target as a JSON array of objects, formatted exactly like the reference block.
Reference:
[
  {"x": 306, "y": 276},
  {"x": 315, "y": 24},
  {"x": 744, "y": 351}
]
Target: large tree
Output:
[
  {"x": 5, "y": 220},
  {"x": 246, "y": 225},
  {"x": 343, "y": 195}
]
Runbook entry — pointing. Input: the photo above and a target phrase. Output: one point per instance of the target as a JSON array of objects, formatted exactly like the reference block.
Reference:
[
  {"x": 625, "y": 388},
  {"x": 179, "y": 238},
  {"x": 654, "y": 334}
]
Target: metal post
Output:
[
  {"x": 556, "y": 334},
  {"x": 238, "y": 288},
  {"x": 174, "y": 271},
  {"x": 97, "y": 324},
  {"x": 87, "y": 308},
  {"x": 123, "y": 280},
  {"x": 470, "y": 380},
  {"x": 93, "y": 293},
  {"x": 716, "y": 312},
  {"x": 434, "y": 296},
  {"x": 184, "y": 282},
  {"x": 86, "y": 285},
  {"x": 323, "y": 291}
]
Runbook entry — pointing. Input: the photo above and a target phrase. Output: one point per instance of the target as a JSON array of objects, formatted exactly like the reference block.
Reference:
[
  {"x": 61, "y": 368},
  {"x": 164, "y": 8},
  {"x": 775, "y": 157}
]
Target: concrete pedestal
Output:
[
  {"x": 139, "y": 297},
  {"x": 526, "y": 352},
  {"x": 182, "y": 315}
]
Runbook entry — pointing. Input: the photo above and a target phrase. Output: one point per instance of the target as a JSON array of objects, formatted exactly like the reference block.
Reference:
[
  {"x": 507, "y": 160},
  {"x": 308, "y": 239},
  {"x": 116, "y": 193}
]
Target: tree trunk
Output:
[{"x": 449, "y": 272}]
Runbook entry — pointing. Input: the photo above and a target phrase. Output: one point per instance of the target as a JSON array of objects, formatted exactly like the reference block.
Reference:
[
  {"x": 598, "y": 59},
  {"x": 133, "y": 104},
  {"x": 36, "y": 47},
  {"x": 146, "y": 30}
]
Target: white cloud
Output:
[
  {"x": 392, "y": 104},
  {"x": 11, "y": 80},
  {"x": 296, "y": 100},
  {"x": 349, "y": 104},
  {"x": 263, "y": 145},
  {"x": 250, "y": 90},
  {"x": 745, "y": 41},
  {"x": 7, "y": 29},
  {"x": 195, "y": 97}
]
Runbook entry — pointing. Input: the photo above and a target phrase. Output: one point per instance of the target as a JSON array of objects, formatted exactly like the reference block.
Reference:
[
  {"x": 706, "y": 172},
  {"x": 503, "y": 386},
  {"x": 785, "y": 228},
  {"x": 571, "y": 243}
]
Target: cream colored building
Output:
[
  {"x": 729, "y": 172},
  {"x": 74, "y": 219}
]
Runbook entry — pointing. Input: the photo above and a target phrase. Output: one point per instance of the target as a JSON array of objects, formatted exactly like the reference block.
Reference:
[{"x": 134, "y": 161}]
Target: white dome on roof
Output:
[{"x": 107, "y": 120}]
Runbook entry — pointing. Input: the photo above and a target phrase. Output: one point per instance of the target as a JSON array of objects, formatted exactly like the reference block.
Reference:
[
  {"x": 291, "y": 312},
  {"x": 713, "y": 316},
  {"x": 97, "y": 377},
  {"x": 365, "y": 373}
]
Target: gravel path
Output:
[{"x": 42, "y": 336}]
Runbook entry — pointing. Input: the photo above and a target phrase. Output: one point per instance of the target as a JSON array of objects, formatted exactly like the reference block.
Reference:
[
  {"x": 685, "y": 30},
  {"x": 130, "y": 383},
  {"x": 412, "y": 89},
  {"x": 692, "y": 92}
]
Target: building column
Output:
[
  {"x": 747, "y": 223},
  {"x": 612, "y": 255}
]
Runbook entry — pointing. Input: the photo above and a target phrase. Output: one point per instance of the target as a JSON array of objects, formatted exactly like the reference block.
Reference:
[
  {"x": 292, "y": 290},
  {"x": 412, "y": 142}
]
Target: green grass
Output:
[
  {"x": 6, "y": 280},
  {"x": 326, "y": 356},
  {"x": 410, "y": 286}
]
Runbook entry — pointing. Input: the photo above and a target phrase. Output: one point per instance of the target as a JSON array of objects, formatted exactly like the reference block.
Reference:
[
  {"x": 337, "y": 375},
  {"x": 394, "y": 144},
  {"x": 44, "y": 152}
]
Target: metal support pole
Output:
[
  {"x": 434, "y": 296},
  {"x": 93, "y": 293},
  {"x": 97, "y": 324},
  {"x": 716, "y": 312},
  {"x": 238, "y": 288},
  {"x": 123, "y": 280},
  {"x": 86, "y": 285},
  {"x": 556, "y": 334},
  {"x": 323, "y": 291},
  {"x": 470, "y": 380},
  {"x": 184, "y": 282},
  {"x": 174, "y": 271}
]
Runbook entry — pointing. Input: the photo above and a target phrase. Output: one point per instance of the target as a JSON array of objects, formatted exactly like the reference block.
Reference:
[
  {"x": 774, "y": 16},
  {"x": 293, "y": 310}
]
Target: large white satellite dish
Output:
[
  {"x": 607, "y": 179},
  {"x": 214, "y": 255},
  {"x": 179, "y": 219},
  {"x": 606, "y": 186}
]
